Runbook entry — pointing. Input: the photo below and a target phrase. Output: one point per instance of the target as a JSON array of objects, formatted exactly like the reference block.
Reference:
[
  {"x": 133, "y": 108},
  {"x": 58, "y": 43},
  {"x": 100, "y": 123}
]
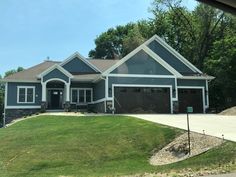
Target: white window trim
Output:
[
  {"x": 23, "y": 107},
  {"x": 81, "y": 103},
  {"x": 26, "y": 90}
]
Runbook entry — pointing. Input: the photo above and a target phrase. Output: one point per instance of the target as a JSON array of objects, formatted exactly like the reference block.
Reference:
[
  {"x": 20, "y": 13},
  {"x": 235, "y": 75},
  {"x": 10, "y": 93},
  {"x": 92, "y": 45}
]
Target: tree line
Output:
[
  {"x": 205, "y": 36},
  {"x": 2, "y": 90}
]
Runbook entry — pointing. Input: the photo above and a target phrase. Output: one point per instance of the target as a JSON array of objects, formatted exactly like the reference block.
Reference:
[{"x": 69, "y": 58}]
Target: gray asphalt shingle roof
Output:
[{"x": 31, "y": 74}]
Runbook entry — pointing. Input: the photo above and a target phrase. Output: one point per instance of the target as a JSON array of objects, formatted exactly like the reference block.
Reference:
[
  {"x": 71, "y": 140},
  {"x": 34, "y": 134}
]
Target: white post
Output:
[
  {"x": 43, "y": 92},
  {"x": 67, "y": 92}
]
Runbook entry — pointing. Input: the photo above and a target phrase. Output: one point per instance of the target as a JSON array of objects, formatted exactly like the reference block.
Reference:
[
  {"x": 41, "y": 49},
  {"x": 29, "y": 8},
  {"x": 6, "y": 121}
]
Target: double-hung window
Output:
[
  {"x": 81, "y": 95},
  {"x": 25, "y": 94}
]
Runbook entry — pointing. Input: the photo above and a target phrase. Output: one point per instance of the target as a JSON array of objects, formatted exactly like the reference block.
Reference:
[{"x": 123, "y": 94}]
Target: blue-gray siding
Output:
[
  {"x": 78, "y": 66},
  {"x": 99, "y": 90},
  {"x": 81, "y": 85},
  {"x": 140, "y": 81},
  {"x": 194, "y": 83},
  {"x": 170, "y": 58},
  {"x": 141, "y": 63},
  {"x": 12, "y": 94},
  {"x": 55, "y": 74},
  {"x": 188, "y": 82}
]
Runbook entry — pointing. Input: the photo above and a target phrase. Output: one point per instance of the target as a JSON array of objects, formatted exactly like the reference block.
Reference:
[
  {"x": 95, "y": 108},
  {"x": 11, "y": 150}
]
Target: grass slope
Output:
[{"x": 91, "y": 146}]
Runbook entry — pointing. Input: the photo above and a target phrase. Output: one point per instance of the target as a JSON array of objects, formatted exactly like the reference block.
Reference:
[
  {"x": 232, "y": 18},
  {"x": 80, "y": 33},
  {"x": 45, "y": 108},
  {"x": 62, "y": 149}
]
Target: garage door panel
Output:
[
  {"x": 142, "y": 100},
  {"x": 190, "y": 97}
]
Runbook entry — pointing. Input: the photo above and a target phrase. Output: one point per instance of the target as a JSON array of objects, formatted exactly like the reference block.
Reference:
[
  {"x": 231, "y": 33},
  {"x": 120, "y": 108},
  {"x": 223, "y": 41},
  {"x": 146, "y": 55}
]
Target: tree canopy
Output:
[
  {"x": 12, "y": 71},
  {"x": 205, "y": 36}
]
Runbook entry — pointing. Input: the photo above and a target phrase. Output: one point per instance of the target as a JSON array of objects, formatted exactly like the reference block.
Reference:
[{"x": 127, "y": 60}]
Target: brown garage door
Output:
[
  {"x": 141, "y": 100},
  {"x": 190, "y": 97}
]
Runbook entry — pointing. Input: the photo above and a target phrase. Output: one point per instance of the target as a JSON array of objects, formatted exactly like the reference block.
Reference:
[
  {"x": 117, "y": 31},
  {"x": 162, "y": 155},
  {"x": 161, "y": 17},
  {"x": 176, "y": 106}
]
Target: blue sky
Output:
[{"x": 31, "y": 30}]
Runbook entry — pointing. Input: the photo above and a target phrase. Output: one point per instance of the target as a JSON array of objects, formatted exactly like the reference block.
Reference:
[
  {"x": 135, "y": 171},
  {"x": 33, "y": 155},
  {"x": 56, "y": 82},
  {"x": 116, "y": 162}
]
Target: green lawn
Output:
[{"x": 92, "y": 146}]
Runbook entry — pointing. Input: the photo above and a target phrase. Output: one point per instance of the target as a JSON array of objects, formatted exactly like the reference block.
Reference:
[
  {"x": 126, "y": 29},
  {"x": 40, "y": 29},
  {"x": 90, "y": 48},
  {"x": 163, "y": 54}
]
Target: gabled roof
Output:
[
  {"x": 174, "y": 52},
  {"x": 103, "y": 64},
  {"x": 31, "y": 73},
  {"x": 80, "y": 57},
  {"x": 149, "y": 52},
  {"x": 144, "y": 46},
  {"x": 55, "y": 66}
]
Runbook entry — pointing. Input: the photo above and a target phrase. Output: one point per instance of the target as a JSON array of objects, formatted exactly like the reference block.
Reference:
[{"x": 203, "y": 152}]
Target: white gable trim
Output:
[
  {"x": 174, "y": 52},
  {"x": 161, "y": 61},
  {"x": 121, "y": 61},
  {"x": 149, "y": 52},
  {"x": 198, "y": 77},
  {"x": 79, "y": 56},
  {"x": 56, "y": 66}
]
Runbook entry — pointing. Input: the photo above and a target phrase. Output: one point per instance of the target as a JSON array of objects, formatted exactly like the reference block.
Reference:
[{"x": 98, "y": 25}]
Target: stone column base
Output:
[
  {"x": 175, "y": 107},
  {"x": 43, "y": 106},
  {"x": 67, "y": 106}
]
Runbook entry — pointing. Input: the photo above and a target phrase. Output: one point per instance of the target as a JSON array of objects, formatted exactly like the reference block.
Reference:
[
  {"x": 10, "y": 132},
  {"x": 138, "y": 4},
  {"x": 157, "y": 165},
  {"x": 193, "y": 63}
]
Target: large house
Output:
[{"x": 153, "y": 78}]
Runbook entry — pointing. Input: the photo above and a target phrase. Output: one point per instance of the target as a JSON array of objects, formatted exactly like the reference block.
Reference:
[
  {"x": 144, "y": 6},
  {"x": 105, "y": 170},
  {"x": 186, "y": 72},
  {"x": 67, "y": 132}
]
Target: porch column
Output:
[
  {"x": 43, "y": 92},
  {"x": 67, "y": 88},
  {"x": 67, "y": 102},
  {"x": 43, "y": 102}
]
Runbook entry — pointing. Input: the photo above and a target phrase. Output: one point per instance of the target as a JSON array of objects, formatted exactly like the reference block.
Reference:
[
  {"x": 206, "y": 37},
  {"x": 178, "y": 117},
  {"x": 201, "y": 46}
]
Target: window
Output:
[
  {"x": 81, "y": 95},
  {"x": 74, "y": 98},
  {"x": 88, "y": 95},
  {"x": 25, "y": 94}
]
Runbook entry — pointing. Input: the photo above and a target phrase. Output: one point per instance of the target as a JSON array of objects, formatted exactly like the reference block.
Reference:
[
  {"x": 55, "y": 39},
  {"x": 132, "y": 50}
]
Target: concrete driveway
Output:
[{"x": 212, "y": 124}]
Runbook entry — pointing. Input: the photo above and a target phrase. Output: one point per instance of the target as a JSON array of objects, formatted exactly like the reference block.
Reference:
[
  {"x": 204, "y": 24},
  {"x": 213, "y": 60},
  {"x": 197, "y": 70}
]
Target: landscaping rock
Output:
[
  {"x": 178, "y": 149},
  {"x": 229, "y": 112}
]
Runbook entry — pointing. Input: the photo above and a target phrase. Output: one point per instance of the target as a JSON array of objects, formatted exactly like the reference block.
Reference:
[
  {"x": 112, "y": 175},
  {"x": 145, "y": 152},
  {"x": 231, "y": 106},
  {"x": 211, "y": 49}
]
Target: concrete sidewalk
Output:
[
  {"x": 223, "y": 175},
  {"x": 212, "y": 124}
]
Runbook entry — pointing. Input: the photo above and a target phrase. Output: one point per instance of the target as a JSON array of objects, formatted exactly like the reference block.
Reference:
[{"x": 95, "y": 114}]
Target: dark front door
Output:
[
  {"x": 55, "y": 99},
  {"x": 142, "y": 100},
  {"x": 190, "y": 97}
]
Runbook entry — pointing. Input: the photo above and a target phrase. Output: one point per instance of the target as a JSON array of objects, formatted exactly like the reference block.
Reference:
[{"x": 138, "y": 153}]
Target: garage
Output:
[
  {"x": 190, "y": 97},
  {"x": 142, "y": 99}
]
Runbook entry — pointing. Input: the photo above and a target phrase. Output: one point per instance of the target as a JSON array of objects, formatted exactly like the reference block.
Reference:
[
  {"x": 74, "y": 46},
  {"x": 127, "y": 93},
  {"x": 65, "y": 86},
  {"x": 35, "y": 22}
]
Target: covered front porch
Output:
[
  {"x": 60, "y": 95},
  {"x": 55, "y": 94},
  {"x": 63, "y": 91}
]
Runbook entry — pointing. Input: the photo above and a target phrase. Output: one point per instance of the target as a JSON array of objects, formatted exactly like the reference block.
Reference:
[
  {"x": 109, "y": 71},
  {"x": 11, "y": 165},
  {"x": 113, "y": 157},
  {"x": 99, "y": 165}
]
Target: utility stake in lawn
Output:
[{"x": 189, "y": 110}]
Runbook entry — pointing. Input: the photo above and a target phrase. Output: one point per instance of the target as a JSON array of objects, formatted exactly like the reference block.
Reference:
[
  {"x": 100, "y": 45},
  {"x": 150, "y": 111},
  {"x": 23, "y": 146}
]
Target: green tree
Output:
[
  {"x": 1, "y": 101},
  {"x": 222, "y": 64},
  {"x": 20, "y": 69},
  {"x": 109, "y": 45},
  {"x": 133, "y": 39},
  {"x": 117, "y": 42},
  {"x": 12, "y": 71},
  {"x": 196, "y": 34},
  {"x": 191, "y": 33}
]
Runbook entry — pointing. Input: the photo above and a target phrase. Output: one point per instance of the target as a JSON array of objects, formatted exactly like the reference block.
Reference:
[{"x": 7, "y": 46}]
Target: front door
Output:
[{"x": 55, "y": 99}]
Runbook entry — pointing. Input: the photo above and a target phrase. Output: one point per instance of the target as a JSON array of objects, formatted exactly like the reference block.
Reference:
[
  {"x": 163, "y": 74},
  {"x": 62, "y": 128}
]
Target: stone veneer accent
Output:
[
  {"x": 12, "y": 114},
  {"x": 175, "y": 107},
  {"x": 67, "y": 106}
]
